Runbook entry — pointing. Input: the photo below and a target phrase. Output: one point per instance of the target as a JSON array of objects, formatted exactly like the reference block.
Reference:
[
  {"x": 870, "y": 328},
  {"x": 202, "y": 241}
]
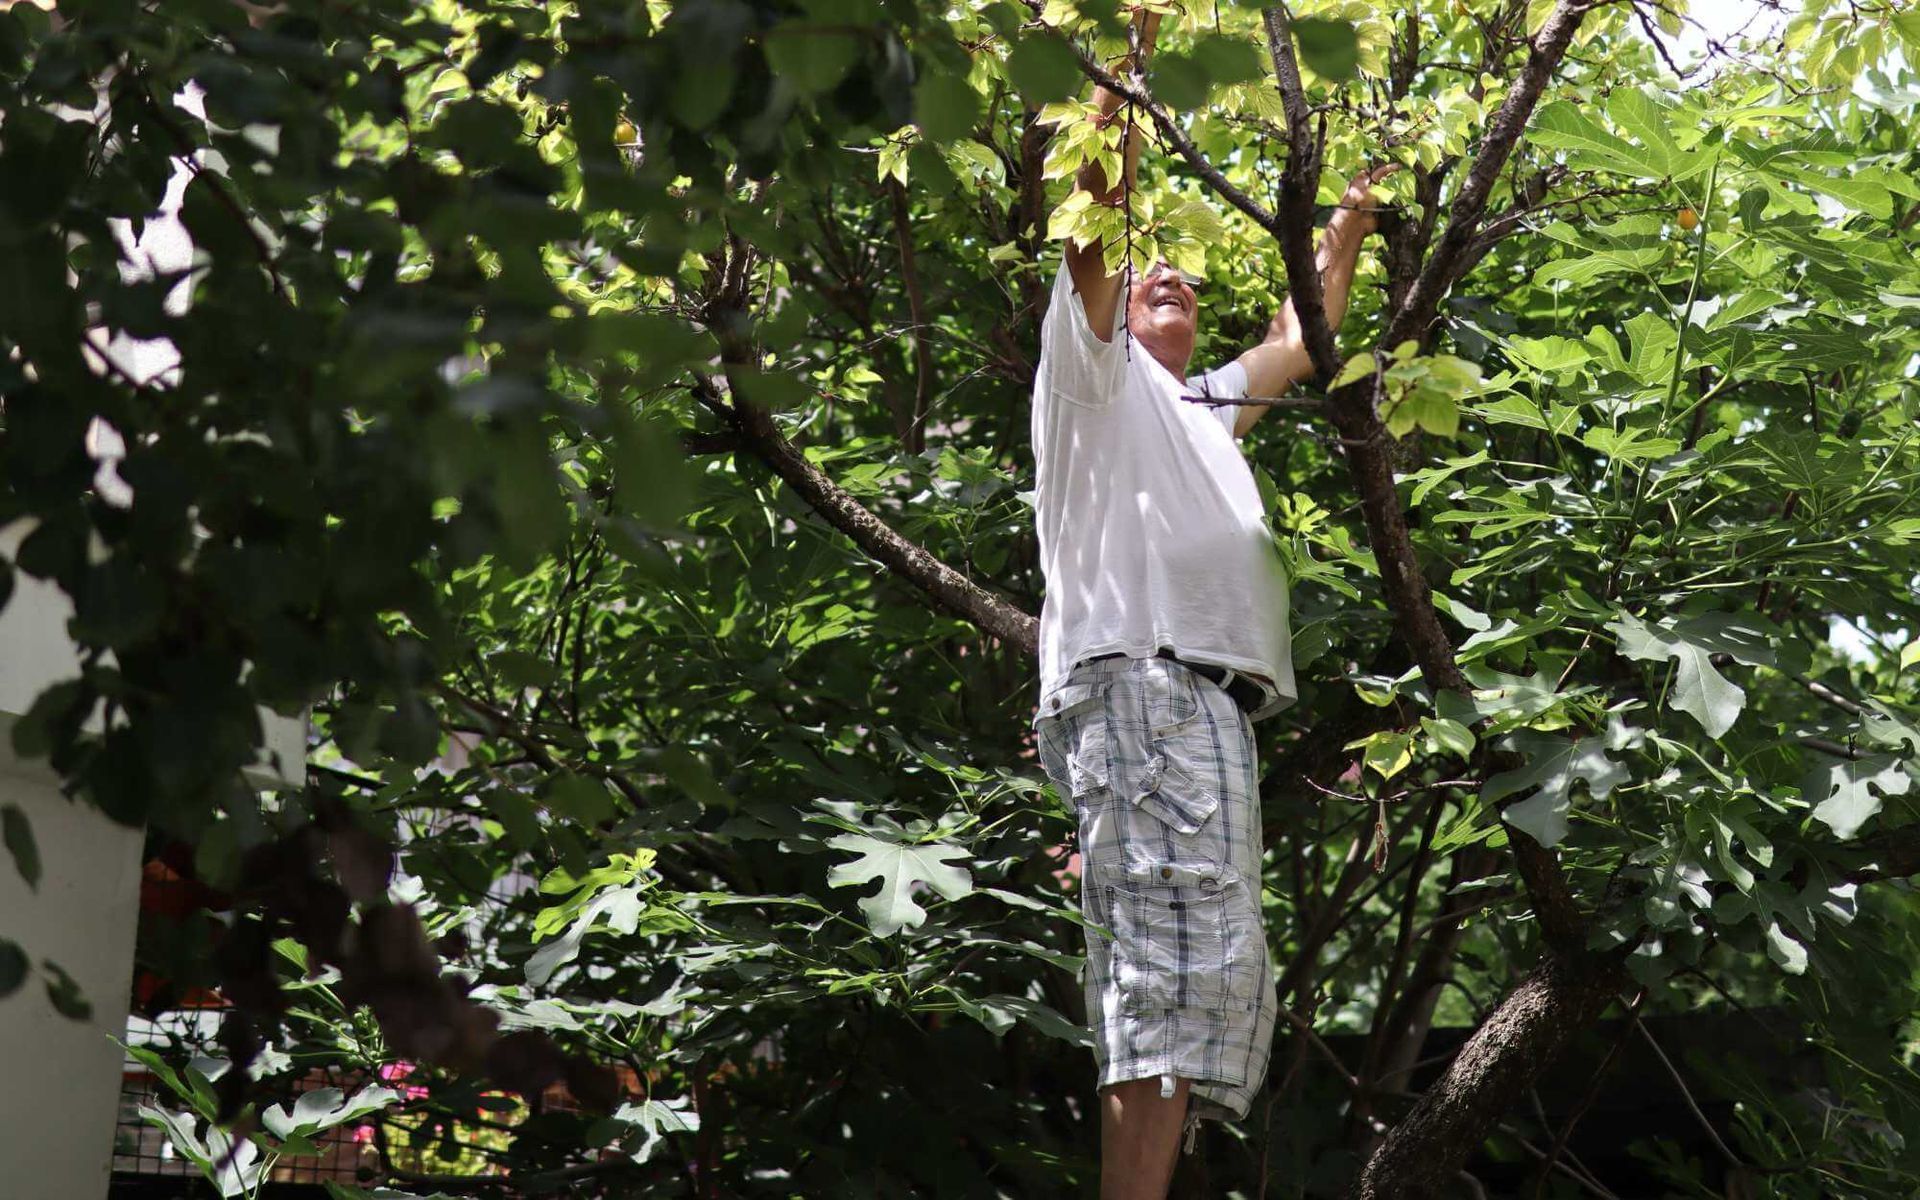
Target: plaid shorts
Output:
[{"x": 1159, "y": 763}]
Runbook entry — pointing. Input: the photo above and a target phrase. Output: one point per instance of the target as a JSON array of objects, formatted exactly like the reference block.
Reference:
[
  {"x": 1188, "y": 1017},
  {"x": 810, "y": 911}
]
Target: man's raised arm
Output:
[
  {"x": 1100, "y": 291},
  {"x": 1281, "y": 360}
]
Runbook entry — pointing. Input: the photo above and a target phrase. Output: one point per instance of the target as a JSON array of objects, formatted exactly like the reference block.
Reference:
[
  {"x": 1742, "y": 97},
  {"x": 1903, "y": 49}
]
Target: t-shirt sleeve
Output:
[
  {"x": 1082, "y": 369},
  {"x": 1226, "y": 383}
]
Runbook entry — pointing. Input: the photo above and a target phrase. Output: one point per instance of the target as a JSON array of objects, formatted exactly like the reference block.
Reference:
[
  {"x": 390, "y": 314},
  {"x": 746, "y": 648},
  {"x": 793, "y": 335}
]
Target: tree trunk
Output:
[{"x": 1422, "y": 1156}]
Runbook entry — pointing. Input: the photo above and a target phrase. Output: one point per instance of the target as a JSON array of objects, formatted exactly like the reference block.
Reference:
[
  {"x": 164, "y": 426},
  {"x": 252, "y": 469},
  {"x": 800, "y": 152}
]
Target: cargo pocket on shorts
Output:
[
  {"x": 1185, "y": 936},
  {"x": 1173, "y": 786},
  {"x": 1072, "y": 735}
]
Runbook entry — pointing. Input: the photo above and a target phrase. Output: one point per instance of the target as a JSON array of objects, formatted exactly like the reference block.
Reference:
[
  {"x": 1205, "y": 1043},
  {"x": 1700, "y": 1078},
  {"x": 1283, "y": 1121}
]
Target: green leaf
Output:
[
  {"x": 1698, "y": 687},
  {"x": 1042, "y": 68},
  {"x": 579, "y": 798},
  {"x": 1847, "y": 793},
  {"x": 1630, "y": 446},
  {"x": 1554, "y": 765},
  {"x": 1424, "y": 408},
  {"x": 1646, "y": 119},
  {"x": 945, "y": 106},
  {"x": 18, "y": 834},
  {"x": 1227, "y": 60},
  {"x": 1387, "y": 752},
  {"x": 1791, "y": 955},
  {"x": 999, "y": 1012},
  {"x": 1359, "y": 367},
  {"x": 326, "y": 1108},
  {"x": 898, "y": 866},
  {"x": 650, "y": 1121},
  {"x": 1563, "y": 126},
  {"x": 1330, "y": 48},
  {"x": 1550, "y": 355},
  {"x": 811, "y": 58},
  {"x": 520, "y": 669},
  {"x": 1450, "y": 736},
  {"x": 1179, "y": 82}
]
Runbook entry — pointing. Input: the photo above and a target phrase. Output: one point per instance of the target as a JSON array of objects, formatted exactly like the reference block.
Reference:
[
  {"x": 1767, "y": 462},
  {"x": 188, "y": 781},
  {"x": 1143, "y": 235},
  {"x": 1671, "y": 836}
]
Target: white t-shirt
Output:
[{"x": 1151, "y": 528}]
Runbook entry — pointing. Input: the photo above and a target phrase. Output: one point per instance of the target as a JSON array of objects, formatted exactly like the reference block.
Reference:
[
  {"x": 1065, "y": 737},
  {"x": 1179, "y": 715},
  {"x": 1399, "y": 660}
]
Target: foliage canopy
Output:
[{"x": 608, "y": 420}]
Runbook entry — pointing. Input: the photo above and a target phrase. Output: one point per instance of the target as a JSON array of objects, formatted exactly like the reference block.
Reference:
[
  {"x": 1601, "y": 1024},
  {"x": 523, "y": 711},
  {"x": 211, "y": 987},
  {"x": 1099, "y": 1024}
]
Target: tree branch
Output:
[
  {"x": 912, "y": 424},
  {"x": 947, "y": 588},
  {"x": 1299, "y": 183},
  {"x": 1171, "y": 131},
  {"x": 1307, "y": 404},
  {"x": 1554, "y": 1004},
  {"x": 1447, "y": 260}
]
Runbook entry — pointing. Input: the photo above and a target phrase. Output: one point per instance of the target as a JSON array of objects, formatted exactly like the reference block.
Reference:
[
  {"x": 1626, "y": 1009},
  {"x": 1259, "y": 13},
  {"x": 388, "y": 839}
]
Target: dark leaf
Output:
[
  {"x": 1043, "y": 68},
  {"x": 812, "y": 59},
  {"x": 1330, "y": 48},
  {"x": 945, "y": 105},
  {"x": 19, "y": 839}
]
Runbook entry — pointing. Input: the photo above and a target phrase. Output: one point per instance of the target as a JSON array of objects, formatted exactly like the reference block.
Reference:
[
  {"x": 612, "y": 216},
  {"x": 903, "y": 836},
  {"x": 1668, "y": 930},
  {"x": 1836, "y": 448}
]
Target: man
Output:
[{"x": 1163, "y": 636}]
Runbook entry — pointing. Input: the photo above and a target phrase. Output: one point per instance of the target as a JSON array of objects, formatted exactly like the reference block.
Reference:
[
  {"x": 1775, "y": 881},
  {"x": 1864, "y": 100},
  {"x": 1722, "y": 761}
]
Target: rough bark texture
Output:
[
  {"x": 1407, "y": 594},
  {"x": 1526, "y": 1033},
  {"x": 1299, "y": 183}
]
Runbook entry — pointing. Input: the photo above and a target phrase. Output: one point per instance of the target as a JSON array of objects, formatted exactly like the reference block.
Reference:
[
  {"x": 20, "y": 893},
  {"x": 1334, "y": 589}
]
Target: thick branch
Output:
[
  {"x": 1299, "y": 183},
  {"x": 1448, "y": 258},
  {"x": 944, "y": 585},
  {"x": 1518, "y": 1040}
]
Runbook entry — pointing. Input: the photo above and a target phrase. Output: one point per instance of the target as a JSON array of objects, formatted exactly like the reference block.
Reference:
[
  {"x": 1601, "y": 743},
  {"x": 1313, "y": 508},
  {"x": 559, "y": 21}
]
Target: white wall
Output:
[{"x": 57, "y": 1117}]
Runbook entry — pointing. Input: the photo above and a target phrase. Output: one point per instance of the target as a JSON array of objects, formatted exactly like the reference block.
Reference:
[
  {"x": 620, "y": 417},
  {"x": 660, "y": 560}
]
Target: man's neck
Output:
[{"x": 1174, "y": 361}]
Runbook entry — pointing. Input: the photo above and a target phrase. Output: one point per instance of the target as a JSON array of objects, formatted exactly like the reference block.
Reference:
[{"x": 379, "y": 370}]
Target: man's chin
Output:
[{"x": 1170, "y": 330}]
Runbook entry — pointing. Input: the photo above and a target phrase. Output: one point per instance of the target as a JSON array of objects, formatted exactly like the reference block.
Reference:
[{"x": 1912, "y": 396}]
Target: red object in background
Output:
[
  {"x": 169, "y": 892},
  {"x": 168, "y": 886},
  {"x": 152, "y": 995}
]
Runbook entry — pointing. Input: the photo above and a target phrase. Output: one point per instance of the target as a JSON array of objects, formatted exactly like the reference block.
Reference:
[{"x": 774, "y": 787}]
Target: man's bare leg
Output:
[{"x": 1139, "y": 1138}]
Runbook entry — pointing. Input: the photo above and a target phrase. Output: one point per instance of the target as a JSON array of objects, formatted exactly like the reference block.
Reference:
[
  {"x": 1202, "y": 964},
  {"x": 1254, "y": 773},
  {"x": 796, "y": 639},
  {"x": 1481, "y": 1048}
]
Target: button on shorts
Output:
[{"x": 1159, "y": 765}]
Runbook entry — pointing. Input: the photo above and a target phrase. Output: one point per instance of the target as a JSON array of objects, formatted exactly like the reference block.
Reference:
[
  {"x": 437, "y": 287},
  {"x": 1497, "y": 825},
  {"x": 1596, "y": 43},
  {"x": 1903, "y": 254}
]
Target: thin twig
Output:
[
  {"x": 1685, "y": 1093},
  {"x": 1170, "y": 130},
  {"x": 1313, "y": 404},
  {"x": 1586, "y": 1102}
]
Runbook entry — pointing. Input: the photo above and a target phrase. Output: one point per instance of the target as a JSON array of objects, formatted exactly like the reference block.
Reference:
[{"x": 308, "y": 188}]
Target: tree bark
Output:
[
  {"x": 946, "y": 587},
  {"x": 1422, "y": 1154}
]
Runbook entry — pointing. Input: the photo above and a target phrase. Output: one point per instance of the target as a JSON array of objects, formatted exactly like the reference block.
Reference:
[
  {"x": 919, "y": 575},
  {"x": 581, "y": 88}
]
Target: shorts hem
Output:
[{"x": 1219, "y": 1105}]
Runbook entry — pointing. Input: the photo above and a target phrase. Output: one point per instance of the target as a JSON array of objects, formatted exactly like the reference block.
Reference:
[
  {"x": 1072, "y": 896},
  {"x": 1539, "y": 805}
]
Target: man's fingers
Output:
[{"x": 1376, "y": 174}]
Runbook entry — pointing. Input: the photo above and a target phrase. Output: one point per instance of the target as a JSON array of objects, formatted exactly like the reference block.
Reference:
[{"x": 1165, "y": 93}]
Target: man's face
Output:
[{"x": 1163, "y": 312}]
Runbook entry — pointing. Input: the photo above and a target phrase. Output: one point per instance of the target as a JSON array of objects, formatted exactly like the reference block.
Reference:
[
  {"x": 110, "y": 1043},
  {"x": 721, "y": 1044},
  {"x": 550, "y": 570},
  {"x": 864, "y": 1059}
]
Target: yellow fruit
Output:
[
  {"x": 1689, "y": 218},
  {"x": 624, "y": 134}
]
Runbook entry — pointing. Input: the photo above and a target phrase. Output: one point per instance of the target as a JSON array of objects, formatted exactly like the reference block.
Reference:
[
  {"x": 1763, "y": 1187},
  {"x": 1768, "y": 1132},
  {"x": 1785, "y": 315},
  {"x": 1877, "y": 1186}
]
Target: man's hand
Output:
[
  {"x": 1100, "y": 290},
  {"x": 1281, "y": 360},
  {"x": 1359, "y": 210}
]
